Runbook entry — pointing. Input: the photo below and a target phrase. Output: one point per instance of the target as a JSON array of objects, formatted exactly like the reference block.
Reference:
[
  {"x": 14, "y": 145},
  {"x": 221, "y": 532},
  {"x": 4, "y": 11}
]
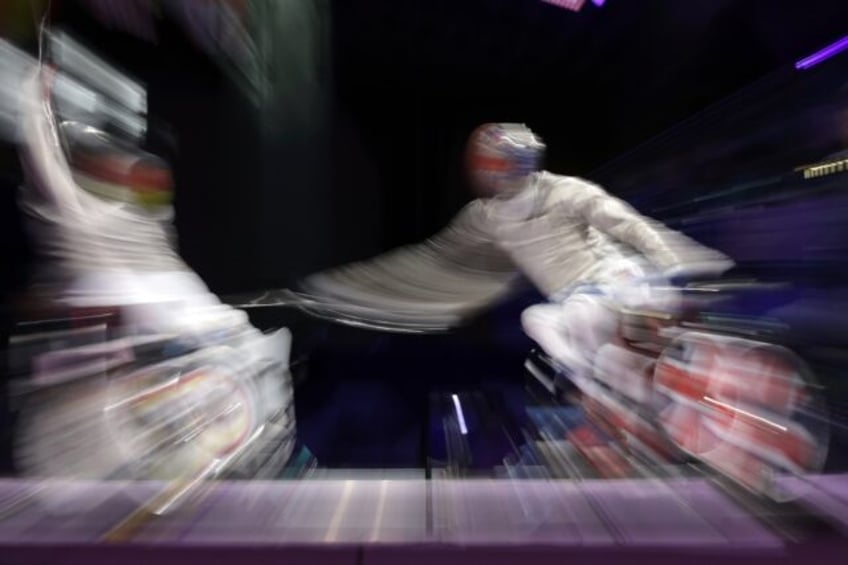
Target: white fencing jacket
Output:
[{"x": 557, "y": 231}]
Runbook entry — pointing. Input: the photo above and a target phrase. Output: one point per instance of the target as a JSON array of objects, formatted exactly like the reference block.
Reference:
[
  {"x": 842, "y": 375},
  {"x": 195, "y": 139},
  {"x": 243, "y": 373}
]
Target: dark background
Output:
[
  {"x": 266, "y": 198},
  {"x": 412, "y": 78},
  {"x": 405, "y": 82}
]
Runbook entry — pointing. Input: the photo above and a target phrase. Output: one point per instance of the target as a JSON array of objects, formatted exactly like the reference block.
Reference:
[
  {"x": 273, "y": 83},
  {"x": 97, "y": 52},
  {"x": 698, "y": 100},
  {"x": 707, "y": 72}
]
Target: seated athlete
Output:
[{"x": 586, "y": 250}]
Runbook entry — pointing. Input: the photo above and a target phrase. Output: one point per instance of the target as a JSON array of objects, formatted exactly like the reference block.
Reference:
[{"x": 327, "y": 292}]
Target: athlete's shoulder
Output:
[
  {"x": 565, "y": 187},
  {"x": 475, "y": 214}
]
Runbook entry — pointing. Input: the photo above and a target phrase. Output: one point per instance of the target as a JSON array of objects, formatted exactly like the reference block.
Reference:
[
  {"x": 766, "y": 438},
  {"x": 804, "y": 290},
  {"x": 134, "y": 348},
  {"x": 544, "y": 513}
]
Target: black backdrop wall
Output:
[
  {"x": 393, "y": 88},
  {"x": 416, "y": 77}
]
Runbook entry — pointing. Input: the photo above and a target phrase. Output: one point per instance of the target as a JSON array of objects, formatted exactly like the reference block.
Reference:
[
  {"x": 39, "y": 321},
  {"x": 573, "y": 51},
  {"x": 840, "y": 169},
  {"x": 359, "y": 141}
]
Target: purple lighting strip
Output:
[
  {"x": 823, "y": 55},
  {"x": 599, "y": 3}
]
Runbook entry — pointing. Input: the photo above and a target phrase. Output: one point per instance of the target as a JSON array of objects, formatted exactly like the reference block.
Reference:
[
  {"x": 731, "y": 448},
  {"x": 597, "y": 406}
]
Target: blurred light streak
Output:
[
  {"x": 573, "y": 5},
  {"x": 823, "y": 55},
  {"x": 745, "y": 413},
  {"x": 460, "y": 416},
  {"x": 14, "y": 65},
  {"x": 338, "y": 515},
  {"x": 824, "y": 169},
  {"x": 73, "y": 58}
]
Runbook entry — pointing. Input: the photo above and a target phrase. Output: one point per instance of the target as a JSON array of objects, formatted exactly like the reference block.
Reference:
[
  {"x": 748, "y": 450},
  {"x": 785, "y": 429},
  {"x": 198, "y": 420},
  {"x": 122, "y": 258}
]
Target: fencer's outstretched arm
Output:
[{"x": 439, "y": 281}]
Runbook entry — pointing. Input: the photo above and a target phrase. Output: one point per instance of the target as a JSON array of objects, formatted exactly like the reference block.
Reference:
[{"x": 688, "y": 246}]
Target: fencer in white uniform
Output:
[
  {"x": 589, "y": 252},
  {"x": 100, "y": 246},
  {"x": 100, "y": 217}
]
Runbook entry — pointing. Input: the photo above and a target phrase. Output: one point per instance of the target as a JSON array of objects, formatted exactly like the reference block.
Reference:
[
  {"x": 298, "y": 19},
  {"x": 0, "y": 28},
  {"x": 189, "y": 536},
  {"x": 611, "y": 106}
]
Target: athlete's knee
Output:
[{"x": 535, "y": 317}]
